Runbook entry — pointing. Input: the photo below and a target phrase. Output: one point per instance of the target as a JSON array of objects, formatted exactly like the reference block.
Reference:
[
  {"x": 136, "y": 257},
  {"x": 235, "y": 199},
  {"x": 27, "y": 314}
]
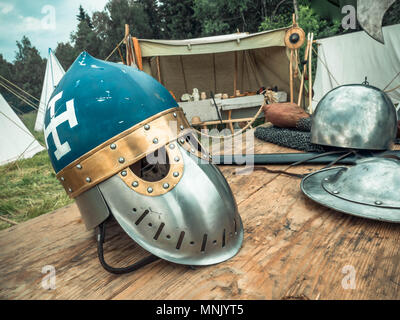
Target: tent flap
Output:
[{"x": 229, "y": 43}]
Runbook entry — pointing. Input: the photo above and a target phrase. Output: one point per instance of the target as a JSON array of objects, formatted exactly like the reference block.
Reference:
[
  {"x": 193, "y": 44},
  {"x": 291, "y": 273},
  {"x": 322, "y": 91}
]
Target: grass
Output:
[{"x": 28, "y": 187}]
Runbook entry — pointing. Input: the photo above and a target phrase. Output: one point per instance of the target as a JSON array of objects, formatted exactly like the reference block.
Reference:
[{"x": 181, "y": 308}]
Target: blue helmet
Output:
[
  {"x": 95, "y": 101},
  {"x": 122, "y": 147}
]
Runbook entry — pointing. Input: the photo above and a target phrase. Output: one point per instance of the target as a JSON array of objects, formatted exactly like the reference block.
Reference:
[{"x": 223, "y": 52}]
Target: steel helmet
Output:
[
  {"x": 355, "y": 116},
  {"x": 121, "y": 146}
]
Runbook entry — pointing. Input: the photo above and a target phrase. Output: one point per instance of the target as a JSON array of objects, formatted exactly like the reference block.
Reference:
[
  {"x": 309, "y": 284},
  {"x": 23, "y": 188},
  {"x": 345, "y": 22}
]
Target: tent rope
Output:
[
  {"x": 27, "y": 132},
  {"x": 14, "y": 85},
  {"x": 24, "y": 99},
  {"x": 116, "y": 47},
  {"x": 327, "y": 69},
  {"x": 394, "y": 89},
  {"x": 386, "y": 91},
  {"x": 398, "y": 74}
]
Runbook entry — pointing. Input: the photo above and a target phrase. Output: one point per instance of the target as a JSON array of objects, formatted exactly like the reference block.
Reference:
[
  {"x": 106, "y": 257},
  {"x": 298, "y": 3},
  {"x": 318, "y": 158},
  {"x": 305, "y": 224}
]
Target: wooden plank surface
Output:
[{"x": 292, "y": 248}]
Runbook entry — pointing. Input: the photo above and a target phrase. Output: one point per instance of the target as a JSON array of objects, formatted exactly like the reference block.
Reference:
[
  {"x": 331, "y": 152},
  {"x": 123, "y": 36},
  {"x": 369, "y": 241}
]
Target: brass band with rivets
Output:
[{"x": 118, "y": 153}]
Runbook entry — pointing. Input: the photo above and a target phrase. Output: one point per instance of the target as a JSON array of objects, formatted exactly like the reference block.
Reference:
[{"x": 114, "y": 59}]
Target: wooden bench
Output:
[{"x": 292, "y": 248}]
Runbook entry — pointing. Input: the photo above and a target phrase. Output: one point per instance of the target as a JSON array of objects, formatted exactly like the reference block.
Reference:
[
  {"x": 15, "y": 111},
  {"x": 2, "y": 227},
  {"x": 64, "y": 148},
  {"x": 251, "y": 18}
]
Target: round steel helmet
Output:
[
  {"x": 369, "y": 189},
  {"x": 355, "y": 116},
  {"x": 121, "y": 146}
]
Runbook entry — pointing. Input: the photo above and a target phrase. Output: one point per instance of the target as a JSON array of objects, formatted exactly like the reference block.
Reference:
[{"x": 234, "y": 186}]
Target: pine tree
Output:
[{"x": 83, "y": 16}]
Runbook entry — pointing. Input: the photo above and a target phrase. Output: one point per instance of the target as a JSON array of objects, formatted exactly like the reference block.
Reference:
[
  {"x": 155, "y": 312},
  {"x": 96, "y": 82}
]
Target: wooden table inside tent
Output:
[{"x": 292, "y": 247}]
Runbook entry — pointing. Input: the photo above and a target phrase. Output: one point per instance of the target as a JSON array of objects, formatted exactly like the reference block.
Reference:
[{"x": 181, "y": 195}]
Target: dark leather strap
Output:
[{"x": 100, "y": 252}]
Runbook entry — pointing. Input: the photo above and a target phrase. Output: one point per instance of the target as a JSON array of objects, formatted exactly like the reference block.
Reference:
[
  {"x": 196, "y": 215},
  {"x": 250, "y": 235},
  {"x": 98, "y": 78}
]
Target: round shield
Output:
[
  {"x": 295, "y": 38},
  {"x": 367, "y": 190}
]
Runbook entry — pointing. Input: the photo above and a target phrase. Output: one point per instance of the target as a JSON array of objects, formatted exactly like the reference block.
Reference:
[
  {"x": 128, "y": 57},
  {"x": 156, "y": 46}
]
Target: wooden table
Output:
[{"x": 293, "y": 248}]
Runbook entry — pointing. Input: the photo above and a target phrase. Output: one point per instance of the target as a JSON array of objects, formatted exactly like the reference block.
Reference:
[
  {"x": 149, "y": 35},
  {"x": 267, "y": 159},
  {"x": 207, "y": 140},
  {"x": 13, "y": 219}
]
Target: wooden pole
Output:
[
  {"x": 310, "y": 89},
  {"x": 230, "y": 123},
  {"x": 158, "y": 69},
  {"x": 215, "y": 73},
  {"x": 291, "y": 76},
  {"x": 304, "y": 71},
  {"x": 183, "y": 74},
  {"x": 128, "y": 61},
  {"x": 236, "y": 75},
  {"x": 215, "y": 122}
]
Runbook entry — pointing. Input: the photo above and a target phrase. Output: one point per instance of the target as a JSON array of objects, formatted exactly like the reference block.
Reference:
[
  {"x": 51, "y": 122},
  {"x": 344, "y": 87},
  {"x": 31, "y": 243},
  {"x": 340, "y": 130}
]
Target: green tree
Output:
[
  {"x": 6, "y": 71},
  {"x": 179, "y": 20},
  {"x": 66, "y": 54},
  {"x": 227, "y": 16},
  {"x": 392, "y": 16},
  {"x": 83, "y": 16},
  {"x": 152, "y": 11},
  {"x": 309, "y": 20},
  {"x": 85, "y": 39},
  {"x": 29, "y": 69},
  {"x": 109, "y": 24}
]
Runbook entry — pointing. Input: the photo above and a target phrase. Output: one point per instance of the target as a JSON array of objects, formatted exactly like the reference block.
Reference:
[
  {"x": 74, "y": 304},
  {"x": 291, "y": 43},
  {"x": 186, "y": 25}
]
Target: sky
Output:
[{"x": 44, "y": 22}]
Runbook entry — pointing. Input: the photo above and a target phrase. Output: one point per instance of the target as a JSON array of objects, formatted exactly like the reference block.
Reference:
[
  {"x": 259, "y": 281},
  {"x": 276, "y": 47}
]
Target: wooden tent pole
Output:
[
  {"x": 158, "y": 68},
  {"x": 236, "y": 75},
  {"x": 215, "y": 74},
  {"x": 310, "y": 89},
  {"x": 291, "y": 76},
  {"x": 304, "y": 71},
  {"x": 128, "y": 60}
]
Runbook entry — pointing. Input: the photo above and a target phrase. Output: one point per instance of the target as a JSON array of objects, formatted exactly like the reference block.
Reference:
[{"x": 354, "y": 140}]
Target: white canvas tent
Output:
[
  {"x": 16, "y": 142},
  {"x": 53, "y": 75},
  {"x": 352, "y": 57}
]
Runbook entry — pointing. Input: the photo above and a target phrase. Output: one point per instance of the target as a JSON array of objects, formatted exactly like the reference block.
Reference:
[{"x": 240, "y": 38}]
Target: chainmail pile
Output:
[{"x": 298, "y": 138}]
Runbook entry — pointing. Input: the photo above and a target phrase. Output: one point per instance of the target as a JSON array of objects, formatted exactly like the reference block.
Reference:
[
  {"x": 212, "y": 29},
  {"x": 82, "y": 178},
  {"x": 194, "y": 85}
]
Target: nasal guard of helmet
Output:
[
  {"x": 355, "y": 116},
  {"x": 103, "y": 124}
]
